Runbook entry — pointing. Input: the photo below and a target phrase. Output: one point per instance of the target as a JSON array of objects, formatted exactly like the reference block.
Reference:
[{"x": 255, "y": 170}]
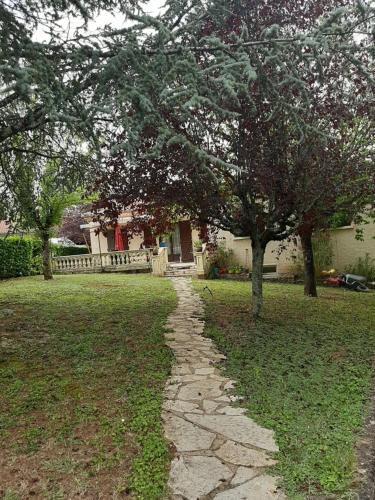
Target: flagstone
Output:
[
  {"x": 209, "y": 406},
  {"x": 237, "y": 454},
  {"x": 196, "y": 476},
  {"x": 181, "y": 370},
  {"x": 181, "y": 406},
  {"x": 186, "y": 436},
  {"x": 237, "y": 428},
  {"x": 244, "y": 474},
  {"x": 230, "y": 410},
  {"x": 219, "y": 450},
  {"x": 205, "y": 371},
  {"x": 202, "y": 389},
  {"x": 223, "y": 399},
  {"x": 193, "y": 378},
  {"x": 260, "y": 488}
]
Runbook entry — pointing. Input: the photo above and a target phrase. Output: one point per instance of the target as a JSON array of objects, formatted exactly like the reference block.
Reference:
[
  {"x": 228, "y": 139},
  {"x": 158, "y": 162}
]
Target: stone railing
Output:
[
  {"x": 202, "y": 262},
  {"x": 128, "y": 260},
  {"x": 160, "y": 262}
]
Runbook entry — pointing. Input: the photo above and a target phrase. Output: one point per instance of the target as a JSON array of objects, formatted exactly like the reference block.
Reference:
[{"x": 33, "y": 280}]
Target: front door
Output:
[
  {"x": 174, "y": 246},
  {"x": 186, "y": 241}
]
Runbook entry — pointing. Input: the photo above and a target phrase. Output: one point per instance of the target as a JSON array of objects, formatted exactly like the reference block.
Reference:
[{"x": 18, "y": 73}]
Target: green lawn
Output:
[
  {"x": 82, "y": 368},
  {"x": 305, "y": 371}
]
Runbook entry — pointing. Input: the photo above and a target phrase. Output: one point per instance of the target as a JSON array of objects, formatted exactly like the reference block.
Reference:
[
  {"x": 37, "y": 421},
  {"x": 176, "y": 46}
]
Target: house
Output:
[
  {"x": 116, "y": 250},
  {"x": 179, "y": 241},
  {"x": 4, "y": 228}
]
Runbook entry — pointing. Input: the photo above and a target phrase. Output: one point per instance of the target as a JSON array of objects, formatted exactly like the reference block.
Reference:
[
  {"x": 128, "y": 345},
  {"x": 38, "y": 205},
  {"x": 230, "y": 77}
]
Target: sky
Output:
[{"x": 116, "y": 20}]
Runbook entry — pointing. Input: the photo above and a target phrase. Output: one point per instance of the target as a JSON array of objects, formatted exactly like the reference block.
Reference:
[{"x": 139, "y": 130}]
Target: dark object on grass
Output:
[
  {"x": 354, "y": 282},
  {"x": 214, "y": 273},
  {"x": 206, "y": 288},
  {"x": 349, "y": 281}
]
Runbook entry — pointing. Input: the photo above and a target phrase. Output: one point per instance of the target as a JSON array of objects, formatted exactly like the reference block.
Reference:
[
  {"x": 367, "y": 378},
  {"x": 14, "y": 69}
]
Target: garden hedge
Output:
[
  {"x": 16, "y": 257},
  {"x": 22, "y": 256},
  {"x": 60, "y": 250}
]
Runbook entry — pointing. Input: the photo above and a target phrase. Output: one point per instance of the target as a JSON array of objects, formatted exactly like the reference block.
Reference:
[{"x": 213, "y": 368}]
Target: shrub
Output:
[
  {"x": 236, "y": 269},
  {"x": 16, "y": 256},
  {"x": 198, "y": 245},
  {"x": 222, "y": 258},
  {"x": 364, "y": 266},
  {"x": 60, "y": 250},
  {"x": 323, "y": 252}
]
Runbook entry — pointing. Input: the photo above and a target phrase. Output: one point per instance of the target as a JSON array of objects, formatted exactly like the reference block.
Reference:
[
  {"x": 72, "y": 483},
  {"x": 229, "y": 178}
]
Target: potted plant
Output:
[{"x": 198, "y": 246}]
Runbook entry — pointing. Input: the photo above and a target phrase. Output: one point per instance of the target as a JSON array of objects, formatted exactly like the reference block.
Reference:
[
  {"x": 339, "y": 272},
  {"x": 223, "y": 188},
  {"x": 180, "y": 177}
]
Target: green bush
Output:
[
  {"x": 62, "y": 251},
  {"x": 236, "y": 269},
  {"x": 221, "y": 258},
  {"x": 16, "y": 257},
  {"x": 22, "y": 256},
  {"x": 364, "y": 266},
  {"x": 323, "y": 254}
]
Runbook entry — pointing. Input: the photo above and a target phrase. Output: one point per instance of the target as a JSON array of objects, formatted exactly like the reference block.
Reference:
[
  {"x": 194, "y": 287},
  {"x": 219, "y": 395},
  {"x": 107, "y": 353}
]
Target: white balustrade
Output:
[
  {"x": 160, "y": 262},
  {"x": 202, "y": 262},
  {"x": 109, "y": 261}
]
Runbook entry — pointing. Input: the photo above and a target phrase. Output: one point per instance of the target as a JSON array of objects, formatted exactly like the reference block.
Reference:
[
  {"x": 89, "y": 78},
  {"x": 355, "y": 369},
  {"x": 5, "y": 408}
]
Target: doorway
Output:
[{"x": 180, "y": 243}]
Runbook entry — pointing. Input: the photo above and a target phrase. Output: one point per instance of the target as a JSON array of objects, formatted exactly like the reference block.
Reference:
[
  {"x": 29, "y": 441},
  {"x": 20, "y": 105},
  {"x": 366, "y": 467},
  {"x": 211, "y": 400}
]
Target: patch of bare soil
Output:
[{"x": 60, "y": 470}]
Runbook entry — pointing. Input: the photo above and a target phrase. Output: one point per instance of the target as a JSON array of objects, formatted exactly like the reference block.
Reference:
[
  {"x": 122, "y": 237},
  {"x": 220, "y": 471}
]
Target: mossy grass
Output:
[
  {"x": 305, "y": 370},
  {"x": 82, "y": 369}
]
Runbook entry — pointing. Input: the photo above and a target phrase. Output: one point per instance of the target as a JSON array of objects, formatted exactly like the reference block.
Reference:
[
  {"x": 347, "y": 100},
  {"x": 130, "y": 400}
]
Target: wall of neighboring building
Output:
[
  {"x": 347, "y": 250},
  {"x": 4, "y": 228},
  {"x": 283, "y": 259}
]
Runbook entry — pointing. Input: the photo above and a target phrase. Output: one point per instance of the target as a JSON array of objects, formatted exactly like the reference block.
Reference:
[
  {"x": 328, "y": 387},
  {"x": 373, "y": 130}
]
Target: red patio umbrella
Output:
[{"x": 119, "y": 243}]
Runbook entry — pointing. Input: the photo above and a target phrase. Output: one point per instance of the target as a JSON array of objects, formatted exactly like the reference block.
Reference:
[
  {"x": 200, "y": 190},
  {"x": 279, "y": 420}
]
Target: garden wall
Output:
[
  {"x": 282, "y": 259},
  {"x": 346, "y": 249}
]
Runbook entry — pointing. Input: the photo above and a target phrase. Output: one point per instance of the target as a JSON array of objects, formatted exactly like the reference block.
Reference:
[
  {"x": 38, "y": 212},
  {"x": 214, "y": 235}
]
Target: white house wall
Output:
[
  {"x": 94, "y": 238},
  {"x": 136, "y": 241}
]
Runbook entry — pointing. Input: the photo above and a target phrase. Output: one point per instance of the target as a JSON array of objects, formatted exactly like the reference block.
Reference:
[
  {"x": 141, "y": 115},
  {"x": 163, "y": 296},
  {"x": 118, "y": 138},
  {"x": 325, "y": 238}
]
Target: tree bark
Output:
[
  {"x": 308, "y": 263},
  {"x": 258, "y": 250},
  {"x": 47, "y": 268}
]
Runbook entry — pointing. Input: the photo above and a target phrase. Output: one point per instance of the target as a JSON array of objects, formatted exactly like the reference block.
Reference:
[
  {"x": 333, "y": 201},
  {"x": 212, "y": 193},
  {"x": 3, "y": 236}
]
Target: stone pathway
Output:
[{"x": 220, "y": 452}]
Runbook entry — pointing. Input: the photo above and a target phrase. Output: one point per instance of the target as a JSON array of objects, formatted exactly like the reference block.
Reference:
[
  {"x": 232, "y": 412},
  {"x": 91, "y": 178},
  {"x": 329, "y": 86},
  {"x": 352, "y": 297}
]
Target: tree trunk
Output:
[
  {"x": 258, "y": 250},
  {"x": 308, "y": 262},
  {"x": 47, "y": 268}
]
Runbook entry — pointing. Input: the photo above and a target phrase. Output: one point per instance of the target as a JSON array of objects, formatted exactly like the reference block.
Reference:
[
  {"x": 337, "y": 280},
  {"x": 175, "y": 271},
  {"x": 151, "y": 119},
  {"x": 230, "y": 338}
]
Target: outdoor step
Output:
[
  {"x": 173, "y": 273},
  {"x": 181, "y": 268},
  {"x": 187, "y": 270}
]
